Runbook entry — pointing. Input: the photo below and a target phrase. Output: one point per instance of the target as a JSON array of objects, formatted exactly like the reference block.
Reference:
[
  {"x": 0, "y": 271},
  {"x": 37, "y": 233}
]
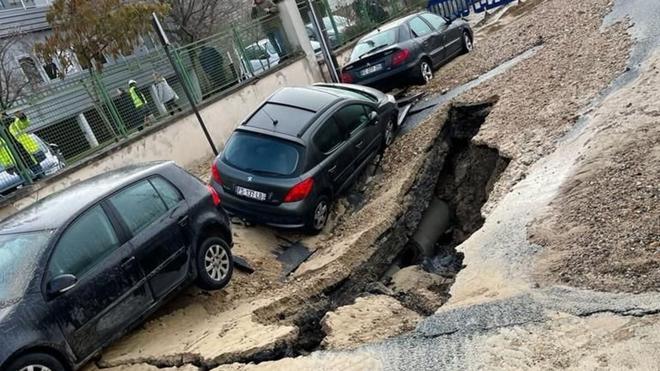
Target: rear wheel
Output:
[
  {"x": 318, "y": 217},
  {"x": 423, "y": 73},
  {"x": 215, "y": 264},
  {"x": 468, "y": 45},
  {"x": 36, "y": 362}
]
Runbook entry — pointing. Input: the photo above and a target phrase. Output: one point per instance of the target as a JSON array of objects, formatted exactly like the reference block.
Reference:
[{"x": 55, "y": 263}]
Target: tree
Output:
[
  {"x": 12, "y": 81},
  {"x": 192, "y": 20},
  {"x": 87, "y": 30}
]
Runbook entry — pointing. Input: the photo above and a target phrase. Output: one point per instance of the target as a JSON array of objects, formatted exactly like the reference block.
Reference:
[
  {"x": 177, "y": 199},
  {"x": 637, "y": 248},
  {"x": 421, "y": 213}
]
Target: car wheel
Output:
[
  {"x": 424, "y": 73},
  {"x": 36, "y": 362},
  {"x": 318, "y": 218},
  {"x": 390, "y": 130},
  {"x": 468, "y": 45},
  {"x": 215, "y": 264}
]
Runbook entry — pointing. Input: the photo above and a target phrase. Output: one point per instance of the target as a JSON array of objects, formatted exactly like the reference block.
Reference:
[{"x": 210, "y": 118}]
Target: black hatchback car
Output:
[
  {"x": 81, "y": 267},
  {"x": 411, "y": 47},
  {"x": 287, "y": 162}
]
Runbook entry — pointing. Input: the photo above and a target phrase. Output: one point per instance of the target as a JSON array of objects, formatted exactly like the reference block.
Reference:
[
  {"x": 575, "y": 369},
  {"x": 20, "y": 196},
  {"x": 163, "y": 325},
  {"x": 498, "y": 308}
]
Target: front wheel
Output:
[
  {"x": 318, "y": 218},
  {"x": 36, "y": 362},
  {"x": 215, "y": 264},
  {"x": 390, "y": 130}
]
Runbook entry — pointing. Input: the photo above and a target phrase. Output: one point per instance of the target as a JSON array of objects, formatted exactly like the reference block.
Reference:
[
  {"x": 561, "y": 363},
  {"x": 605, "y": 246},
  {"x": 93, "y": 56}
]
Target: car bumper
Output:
[
  {"x": 386, "y": 77},
  {"x": 285, "y": 215}
]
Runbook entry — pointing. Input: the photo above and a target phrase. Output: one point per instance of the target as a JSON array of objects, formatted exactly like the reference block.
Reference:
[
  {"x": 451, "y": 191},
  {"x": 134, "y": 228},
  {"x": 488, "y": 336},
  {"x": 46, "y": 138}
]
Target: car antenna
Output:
[{"x": 275, "y": 122}]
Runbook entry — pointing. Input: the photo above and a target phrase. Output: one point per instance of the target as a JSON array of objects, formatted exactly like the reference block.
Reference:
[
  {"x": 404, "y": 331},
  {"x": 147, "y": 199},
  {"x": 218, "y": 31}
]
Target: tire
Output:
[
  {"x": 390, "y": 132},
  {"x": 215, "y": 264},
  {"x": 468, "y": 43},
  {"x": 423, "y": 73},
  {"x": 38, "y": 362},
  {"x": 318, "y": 217}
]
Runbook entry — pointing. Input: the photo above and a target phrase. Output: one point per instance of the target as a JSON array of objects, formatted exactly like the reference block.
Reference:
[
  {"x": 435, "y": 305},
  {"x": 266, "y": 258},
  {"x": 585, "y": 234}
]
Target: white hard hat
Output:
[{"x": 132, "y": 82}]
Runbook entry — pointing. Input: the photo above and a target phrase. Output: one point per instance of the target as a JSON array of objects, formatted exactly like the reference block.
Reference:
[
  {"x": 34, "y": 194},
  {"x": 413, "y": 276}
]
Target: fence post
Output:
[
  {"x": 105, "y": 98},
  {"x": 331, "y": 16},
  {"x": 241, "y": 51},
  {"x": 186, "y": 80},
  {"x": 296, "y": 33}
]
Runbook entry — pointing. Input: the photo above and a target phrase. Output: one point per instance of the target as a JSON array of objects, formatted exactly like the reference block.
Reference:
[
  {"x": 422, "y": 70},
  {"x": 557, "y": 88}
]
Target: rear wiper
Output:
[{"x": 379, "y": 47}]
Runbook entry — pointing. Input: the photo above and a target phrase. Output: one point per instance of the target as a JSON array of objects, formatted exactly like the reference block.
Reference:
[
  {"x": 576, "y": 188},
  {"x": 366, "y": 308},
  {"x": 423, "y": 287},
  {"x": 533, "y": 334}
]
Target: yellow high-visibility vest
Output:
[{"x": 138, "y": 98}]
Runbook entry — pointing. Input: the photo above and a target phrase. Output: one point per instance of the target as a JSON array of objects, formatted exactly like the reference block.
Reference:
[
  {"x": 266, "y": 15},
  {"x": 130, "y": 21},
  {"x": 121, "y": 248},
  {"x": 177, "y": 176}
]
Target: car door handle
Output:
[
  {"x": 183, "y": 221},
  {"x": 360, "y": 145},
  {"x": 332, "y": 170},
  {"x": 128, "y": 262}
]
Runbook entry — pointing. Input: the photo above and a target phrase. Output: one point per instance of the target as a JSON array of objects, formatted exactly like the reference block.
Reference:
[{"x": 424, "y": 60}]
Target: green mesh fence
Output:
[{"x": 63, "y": 122}]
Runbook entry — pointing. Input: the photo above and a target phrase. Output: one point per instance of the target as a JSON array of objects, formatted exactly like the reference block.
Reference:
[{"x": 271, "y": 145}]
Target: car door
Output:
[
  {"x": 452, "y": 34},
  {"x": 440, "y": 28},
  {"x": 363, "y": 136},
  {"x": 337, "y": 154},
  {"x": 158, "y": 231},
  {"x": 109, "y": 293},
  {"x": 431, "y": 42}
]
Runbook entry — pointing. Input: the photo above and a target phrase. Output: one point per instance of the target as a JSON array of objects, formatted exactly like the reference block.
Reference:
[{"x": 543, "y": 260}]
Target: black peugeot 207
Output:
[
  {"x": 81, "y": 267},
  {"x": 287, "y": 162}
]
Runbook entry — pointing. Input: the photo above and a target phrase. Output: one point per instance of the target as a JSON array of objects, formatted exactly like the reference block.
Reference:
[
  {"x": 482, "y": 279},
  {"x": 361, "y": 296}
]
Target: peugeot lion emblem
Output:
[{"x": 249, "y": 179}]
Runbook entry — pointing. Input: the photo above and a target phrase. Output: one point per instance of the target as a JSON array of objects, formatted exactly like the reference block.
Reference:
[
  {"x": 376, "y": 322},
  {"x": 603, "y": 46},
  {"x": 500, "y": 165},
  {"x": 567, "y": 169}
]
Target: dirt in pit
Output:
[{"x": 603, "y": 230}]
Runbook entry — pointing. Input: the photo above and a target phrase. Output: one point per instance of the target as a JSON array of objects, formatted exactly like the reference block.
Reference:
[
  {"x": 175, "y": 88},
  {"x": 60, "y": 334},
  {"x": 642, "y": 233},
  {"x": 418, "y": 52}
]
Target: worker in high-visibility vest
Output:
[
  {"x": 25, "y": 144},
  {"x": 140, "y": 104}
]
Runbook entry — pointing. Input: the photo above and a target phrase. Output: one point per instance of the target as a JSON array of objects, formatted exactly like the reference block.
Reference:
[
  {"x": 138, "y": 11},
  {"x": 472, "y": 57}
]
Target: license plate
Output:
[
  {"x": 249, "y": 193},
  {"x": 372, "y": 69}
]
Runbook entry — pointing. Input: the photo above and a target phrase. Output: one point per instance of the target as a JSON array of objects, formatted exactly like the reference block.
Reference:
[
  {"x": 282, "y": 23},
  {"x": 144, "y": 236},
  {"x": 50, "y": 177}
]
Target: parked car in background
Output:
[
  {"x": 52, "y": 163},
  {"x": 411, "y": 47},
  {"x": 290, "y": 159},
  {"x": 83, "y": 266},
  {"x": 262, "y": 56},
  {"x": 334, "y": 36}
]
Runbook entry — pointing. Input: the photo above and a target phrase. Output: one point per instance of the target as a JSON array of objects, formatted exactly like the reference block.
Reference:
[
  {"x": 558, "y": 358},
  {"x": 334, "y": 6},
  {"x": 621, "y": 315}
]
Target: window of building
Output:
[{"x": 31, "y": 70}]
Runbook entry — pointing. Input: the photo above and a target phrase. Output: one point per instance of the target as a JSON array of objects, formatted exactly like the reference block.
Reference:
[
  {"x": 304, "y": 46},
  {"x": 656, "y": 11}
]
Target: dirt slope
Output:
[{"x": 603, "y": 231}]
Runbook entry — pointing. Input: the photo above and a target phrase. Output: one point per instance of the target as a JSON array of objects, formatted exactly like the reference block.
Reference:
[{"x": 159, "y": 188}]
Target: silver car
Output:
[{"x": 51, "y": 164}]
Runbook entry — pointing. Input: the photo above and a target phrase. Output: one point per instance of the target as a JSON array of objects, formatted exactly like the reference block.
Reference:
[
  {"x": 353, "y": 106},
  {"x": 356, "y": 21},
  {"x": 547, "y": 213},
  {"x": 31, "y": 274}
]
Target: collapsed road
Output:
[{"x": 364, "y": 272}]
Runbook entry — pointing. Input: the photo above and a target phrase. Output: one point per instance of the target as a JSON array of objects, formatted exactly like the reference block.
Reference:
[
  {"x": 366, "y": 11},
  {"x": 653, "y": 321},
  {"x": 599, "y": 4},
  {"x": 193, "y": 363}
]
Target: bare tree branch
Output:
[
  {"x": 12, "y": 81},
  {"x": 192, "y": 20}
]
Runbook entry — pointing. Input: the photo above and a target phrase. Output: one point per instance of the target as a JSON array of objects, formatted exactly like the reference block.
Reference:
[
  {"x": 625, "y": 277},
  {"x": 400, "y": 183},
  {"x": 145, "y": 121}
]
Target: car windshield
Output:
[
  {"x": 19, "y": 254},
  {"x": 262, "y": 155},
  {"x": 377, "y": 41}
]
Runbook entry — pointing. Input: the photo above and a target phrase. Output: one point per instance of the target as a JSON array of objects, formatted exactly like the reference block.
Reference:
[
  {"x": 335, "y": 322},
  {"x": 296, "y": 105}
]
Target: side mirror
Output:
[
  {"x": 61, "y": 284},
  {"x": 373, "y": 117}
]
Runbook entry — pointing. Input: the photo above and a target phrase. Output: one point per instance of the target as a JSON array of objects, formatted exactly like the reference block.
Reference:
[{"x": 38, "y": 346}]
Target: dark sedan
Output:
[
  {"x": 411, "y": 47},
  {"x": 81, "y": 267},
  {"x": 304, "y": 146}
]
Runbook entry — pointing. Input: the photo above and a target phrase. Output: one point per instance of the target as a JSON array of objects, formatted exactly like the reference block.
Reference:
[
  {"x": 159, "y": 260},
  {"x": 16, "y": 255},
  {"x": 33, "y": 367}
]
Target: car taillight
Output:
[
  {"x": 346, "y": 78},
  {"x": 400, "y": 57},
  {"x": 214, "y": 195},
  {"x": 215, "y": 173},
  {"x": 300, "y": 191}
]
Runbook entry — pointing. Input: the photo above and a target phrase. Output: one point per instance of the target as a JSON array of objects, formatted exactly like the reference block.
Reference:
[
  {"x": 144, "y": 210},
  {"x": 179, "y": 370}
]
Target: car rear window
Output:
[
  {"x": 262, "y": 154},
  {"x": 280, "y": 118},
  {"x": 377, "y": 41}
]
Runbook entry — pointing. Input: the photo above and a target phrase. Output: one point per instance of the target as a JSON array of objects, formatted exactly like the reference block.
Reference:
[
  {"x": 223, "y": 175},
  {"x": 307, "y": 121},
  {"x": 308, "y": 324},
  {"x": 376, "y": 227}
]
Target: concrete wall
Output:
[{"x": 183, "y": 140}]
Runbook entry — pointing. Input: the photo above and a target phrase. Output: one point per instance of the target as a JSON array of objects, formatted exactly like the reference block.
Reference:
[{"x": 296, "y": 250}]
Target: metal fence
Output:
[
  {"x": 68, "y": 120},
  {"x": 346, "y": 20},
  {"x": 460, "y": 8}
]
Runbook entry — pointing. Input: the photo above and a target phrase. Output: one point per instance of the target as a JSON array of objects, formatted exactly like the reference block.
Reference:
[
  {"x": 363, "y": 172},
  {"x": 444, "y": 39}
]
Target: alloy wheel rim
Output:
[
  {"x": 320, "y": 215},
  {"x": 426, "y": 72},
  {"x": 468, "y": 42},
  {"x": 35, "y": 368},
  {"x": 216, "y": 262},
  {"x": 389, "y": 133}
]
